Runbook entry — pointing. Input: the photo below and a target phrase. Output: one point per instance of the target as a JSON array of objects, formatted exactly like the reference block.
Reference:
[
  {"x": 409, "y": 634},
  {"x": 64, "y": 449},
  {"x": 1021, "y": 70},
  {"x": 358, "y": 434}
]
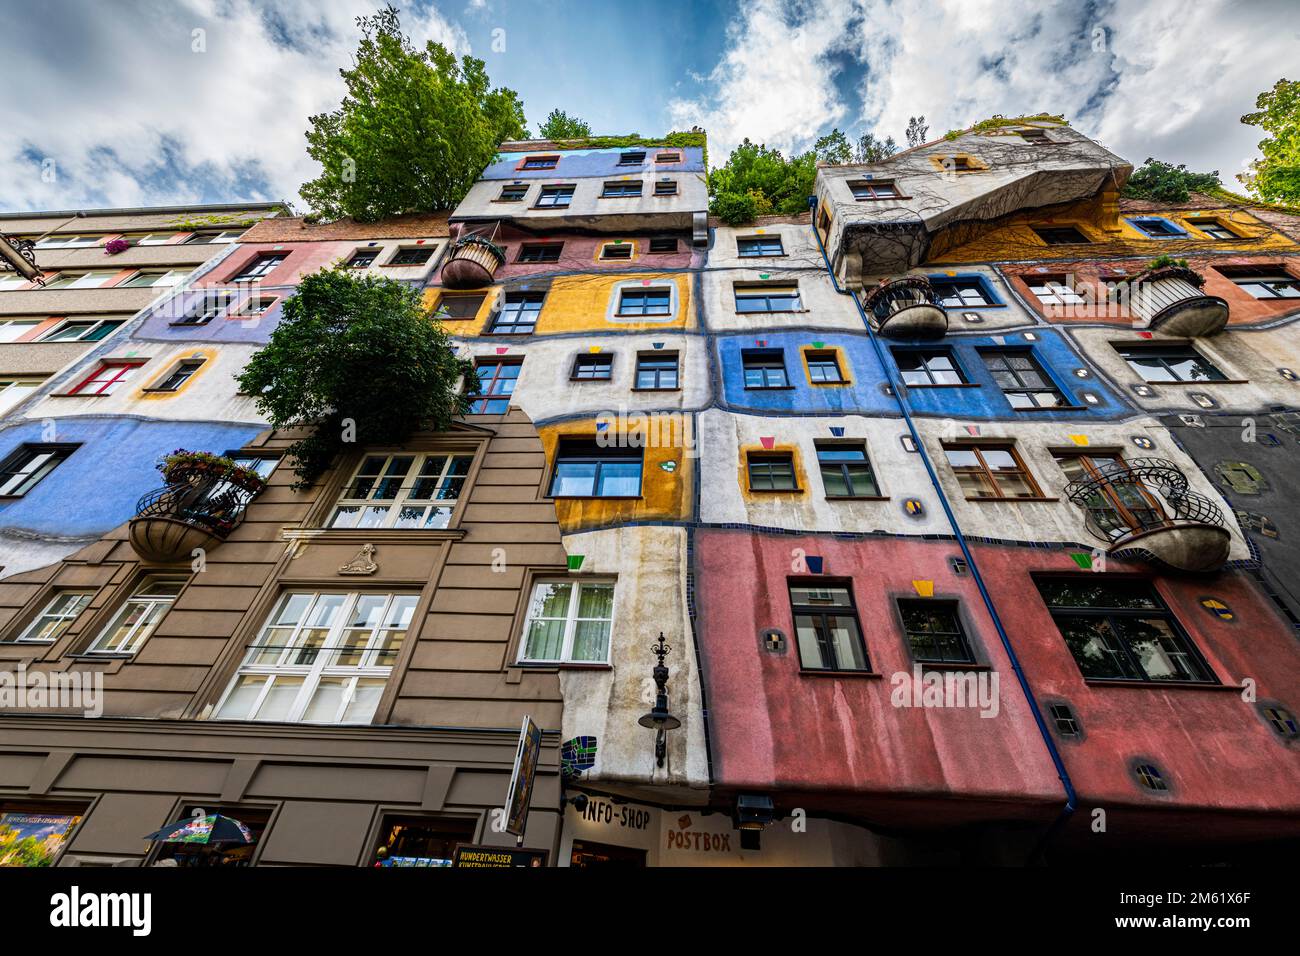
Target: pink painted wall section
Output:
[
  {"x": 1213, "y": 748},
  {"x": 772, "y": 726}
]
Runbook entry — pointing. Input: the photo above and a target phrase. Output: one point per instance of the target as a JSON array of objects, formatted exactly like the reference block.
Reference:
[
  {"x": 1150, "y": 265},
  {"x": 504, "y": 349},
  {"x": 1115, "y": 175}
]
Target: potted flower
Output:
[
  {"x": 114, "y": 246},
  {"x": 1167, "y": 267},
  {"x": 183, "y": 466}
]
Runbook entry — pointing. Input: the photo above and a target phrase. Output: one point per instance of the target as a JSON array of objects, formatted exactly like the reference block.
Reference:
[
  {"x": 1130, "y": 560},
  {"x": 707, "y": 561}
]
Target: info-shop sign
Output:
[{"x": 497, "y": 857}]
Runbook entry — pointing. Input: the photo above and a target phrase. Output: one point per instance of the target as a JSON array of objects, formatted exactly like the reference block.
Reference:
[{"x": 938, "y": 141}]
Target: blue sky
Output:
[{"x": 136, "y": 102}]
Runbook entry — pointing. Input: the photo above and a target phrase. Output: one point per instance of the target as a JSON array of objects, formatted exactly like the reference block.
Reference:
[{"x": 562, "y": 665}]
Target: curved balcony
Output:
[
  {"x": 19, "y": 255},
  {"x": 907, "y": 308},
  {"x": 194, "y": 512},
  {"x": 1170, "y": 301},
  {"x": 1144, "y": 503},
  {"x": 471, "y": 263}
]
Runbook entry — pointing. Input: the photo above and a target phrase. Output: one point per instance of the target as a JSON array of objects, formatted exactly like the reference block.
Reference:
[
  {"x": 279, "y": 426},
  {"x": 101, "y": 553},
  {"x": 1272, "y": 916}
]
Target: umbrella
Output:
[{"x": 214, "y": 828}]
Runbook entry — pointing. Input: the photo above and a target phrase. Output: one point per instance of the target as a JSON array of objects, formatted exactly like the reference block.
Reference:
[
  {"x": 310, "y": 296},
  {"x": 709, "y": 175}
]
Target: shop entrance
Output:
[
  {"x": 33, "y": 834},
  {"x": 421, "y": 841}
]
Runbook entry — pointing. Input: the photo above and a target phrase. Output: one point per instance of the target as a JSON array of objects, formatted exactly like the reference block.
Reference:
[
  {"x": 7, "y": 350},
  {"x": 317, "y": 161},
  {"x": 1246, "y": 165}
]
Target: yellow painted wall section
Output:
[
  {"x": 667, "y": 474},
  {"x": 209, "y": 356}
]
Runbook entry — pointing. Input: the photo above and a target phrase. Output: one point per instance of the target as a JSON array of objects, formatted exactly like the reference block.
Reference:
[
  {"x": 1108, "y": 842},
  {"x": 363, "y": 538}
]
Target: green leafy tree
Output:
[
  {"x": 1164, "y": 182},
  {"x": 834, "y": 148},
  {"x": 757, "y": 180},
  {"x": 560, "y": 125},
  {"x": 1276, "y": 176},
  {"x": 355, "y": 358},
  {"x": 414, "y": 131},
  {"x": 869, "y": 149}
]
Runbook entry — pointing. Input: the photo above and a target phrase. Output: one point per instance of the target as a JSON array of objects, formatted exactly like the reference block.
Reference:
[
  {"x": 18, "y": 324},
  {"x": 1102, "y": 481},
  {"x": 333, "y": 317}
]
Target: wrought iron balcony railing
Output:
[
  {"x": 199, "y": 512},
  {"x": 19, "y": 255},
  {"x": 907, "y": 307}
]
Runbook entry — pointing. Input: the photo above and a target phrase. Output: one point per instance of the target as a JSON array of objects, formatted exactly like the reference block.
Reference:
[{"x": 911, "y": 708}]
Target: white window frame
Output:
[
  {"x": 1050, "y": 292},
  {"x": 14, "y": 390},
  {"x": 11, "y": 283},
  {"x": 166, "y": 279},
  {"x": 43, "y": 460},
  {"x": 62, "y": 620},
  {"x": 403, "y": 498},
  {"x": 213, "y": 238},
  {"x": 570, "y": 620},
  {"x": 155, "y": 608},
  {"x": 77, "y": 241},
  {"x": 317, "y": 669},
  {"x": 95, "y": 279},
  {"x": 52, "y": 334},
  {"x": 20, "y": 325}
]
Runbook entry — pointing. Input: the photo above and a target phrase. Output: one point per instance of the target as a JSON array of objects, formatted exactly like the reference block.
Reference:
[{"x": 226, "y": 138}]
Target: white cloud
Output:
[{"x": 130, "y": 114}]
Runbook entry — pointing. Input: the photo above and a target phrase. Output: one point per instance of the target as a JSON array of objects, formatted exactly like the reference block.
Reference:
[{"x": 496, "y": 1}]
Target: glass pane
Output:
[
  {"x": 1087, "y": 592},
  {"x": 596, "y": 601},
  {"x": 810, "y": 653},
  {"x": 834, "y": 481},
  {"x": 807, "y": 595},
  {"x": 545, "y": 640},
  {"x": 620, "y": 478},
  {"x": 846, "y": 641},
  {"x": 591, "y": 641},
  {"x": 1160, "y": 651},
  {"x": 239, "y": 702},
  {"x": 280, "y": 699},
  {"x": 551, "y": 600},
  {"x": 365, "y": 701},
  {"x": 574, "y": 478},
  {"x": 327, "y": 699},
  {"x": 345, "y": 516}
]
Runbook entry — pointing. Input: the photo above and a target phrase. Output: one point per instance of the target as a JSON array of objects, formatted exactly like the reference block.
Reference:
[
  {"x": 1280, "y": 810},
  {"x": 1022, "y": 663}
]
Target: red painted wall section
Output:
[
  {"x": 775, "y": 728},
  {"x": 1213, "y": 748}
]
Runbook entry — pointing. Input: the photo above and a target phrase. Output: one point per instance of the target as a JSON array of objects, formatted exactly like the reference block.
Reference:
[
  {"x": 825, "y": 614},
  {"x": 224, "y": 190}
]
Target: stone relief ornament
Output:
[{"x": 363, "y": 563}]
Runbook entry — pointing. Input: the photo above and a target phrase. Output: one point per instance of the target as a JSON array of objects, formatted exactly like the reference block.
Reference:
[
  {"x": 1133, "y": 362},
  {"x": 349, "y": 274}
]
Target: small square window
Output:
[
  {"x": 771, "y": 471},
  {"x": 512, "y": 193},
  {"x": 593, "y": 367},
  {"x": 622, "y": 189},
  {"x": 540, "y": 252},
  {"x": 824, "y": 367},
  {"x": 657, "y": 371},
  {"x": 460, "y": 306},
  {"x": 846, "y": 471},
  {"x": 519, "y": 313},
  {"x": 555, "y": 197},
  {"x": 666, "y": 187},
  {"x": 1063, "y": 717},
  {"x": 934, "y": 632},
  {"x": 1263, "y": 282},
  {"x": 411, "y": 256},
  {"x": 363, "y": 258},
  {"x": 616, "y": 250},
  {"x": 764, "y": 368},
  {"x": 662, "y": 245},
  {"x": 1150, "y": 777}
]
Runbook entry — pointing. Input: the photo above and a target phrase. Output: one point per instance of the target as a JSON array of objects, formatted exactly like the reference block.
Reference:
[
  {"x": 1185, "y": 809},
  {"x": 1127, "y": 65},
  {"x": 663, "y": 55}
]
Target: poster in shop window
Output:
[
  {"x": 520, "y": 794},
  {"x": 33, "y": 839}
]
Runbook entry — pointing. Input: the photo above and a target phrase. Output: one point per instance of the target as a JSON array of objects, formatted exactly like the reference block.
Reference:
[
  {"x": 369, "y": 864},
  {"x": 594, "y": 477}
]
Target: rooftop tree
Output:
[
  {"x": 355, "y": 359},
  {"x": 1276, "y": 176},
  {"x": 414, "y": 131},
  {"x": 560, "y": 125},
  {"x": 1165, "y": 182}
]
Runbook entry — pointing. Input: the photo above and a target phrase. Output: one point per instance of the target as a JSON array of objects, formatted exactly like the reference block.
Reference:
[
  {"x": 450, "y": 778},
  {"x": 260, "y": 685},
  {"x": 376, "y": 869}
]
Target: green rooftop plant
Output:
[
  {"x": 1164, "y": 182},
  {"x": 356, "y": 360}
]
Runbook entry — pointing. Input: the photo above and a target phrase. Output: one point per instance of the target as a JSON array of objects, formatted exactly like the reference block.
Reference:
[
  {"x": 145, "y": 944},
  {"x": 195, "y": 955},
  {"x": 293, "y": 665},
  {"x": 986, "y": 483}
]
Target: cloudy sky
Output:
[{"x": 134, "y": 102}]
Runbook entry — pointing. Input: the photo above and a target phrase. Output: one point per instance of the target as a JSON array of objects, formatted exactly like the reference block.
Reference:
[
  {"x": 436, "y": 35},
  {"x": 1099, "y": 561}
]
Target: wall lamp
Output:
[{"x": 659, "y": 719}]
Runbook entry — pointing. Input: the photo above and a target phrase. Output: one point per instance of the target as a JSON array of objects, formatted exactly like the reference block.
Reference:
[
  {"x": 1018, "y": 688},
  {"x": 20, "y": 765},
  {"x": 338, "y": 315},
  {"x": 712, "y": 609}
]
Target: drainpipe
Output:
[{"x": 1071, "y": 798}]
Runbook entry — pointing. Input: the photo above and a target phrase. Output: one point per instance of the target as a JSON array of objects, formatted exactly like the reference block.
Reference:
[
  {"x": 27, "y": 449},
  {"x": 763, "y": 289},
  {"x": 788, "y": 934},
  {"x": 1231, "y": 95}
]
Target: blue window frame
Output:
[
  {"x": 586, "y": 469},
  {"x": 1156, "y": 227},
  {"x": 764, "y": 368},
  {"x": 622, "y": 189},
  {"x": 963, "y": 292},
  {"x": 645, "y": 302},
  {"x": 555, "y": 197},
  {"x": 519, "y": 313},
  {"x": 755, "y": 246}
]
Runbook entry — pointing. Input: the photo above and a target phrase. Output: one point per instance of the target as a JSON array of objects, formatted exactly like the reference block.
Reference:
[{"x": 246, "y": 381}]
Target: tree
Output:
[
  {"x": 1276, "y": 176},
  {"x": 414, "y": 131},
  {"x": 1165, "y": 182},
  {"x": 560, "y": 125},
  {"x": 916, "y": 131},
  {"x": 834, "y": 148},
  {"x": 872, "y": 150},
  {"x": 757, "y": 180},
  {"x": 355, "y": 358}
]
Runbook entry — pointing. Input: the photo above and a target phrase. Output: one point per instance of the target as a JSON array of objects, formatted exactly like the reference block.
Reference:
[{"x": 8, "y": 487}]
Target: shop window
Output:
[
  {"x": 421, "y": 841},
  {"x": 34, "y": 834},
  {"x": 826, "y": 625},
  {"x": 255, "y": 819},
  {"x": 402, "y": 491},
  {"x": 569, "y": 622},
  {"x": 588, "y": 854}
]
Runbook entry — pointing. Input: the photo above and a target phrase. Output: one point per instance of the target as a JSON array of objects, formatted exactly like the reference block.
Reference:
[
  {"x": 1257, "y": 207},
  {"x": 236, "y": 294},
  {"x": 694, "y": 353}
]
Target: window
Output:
[
  {"x": 826, "y": 626},
  {"x": 411, "y": 256},
  {"x": 263, "y": 465},
  {"x": 80, "y": 280},
  {"x": 260, "y": 267},
  {"x": 824, "y": 367},
  {"x": 1156, "y": 228},
  {"x": 1213, "y": 228},
  {"x": 14, "y": 390},
  {"x": 253, "y": 306},
  {"x": 460, "y": 306},
  {"x": 764, "y": 368},
  {"x": 753, "y": 247},
  {"x": 864, "y": 190},
  {"x": 666, "y": 187},
  {"x": 1149, "y": 776},
  {"x": 568, "y": 622},
  {"x": 928, "y": 367},
  {"x": 1115, "y": 507},
  {"x": 178, "y": 376},
  {"x": 961, "y": 292},
  {"x": 153, "y": 279},
  {"x": 205, "y": 308},
  {"x": 106, "y": 378},
  {"x": 1060, "y": 235},
  {"x": 1119, "y": 629},
  {"x": 402, "y": 491},
  {"x": 67, "y": 242},
  {"x": 591, "y": 367},
  {"x": 363, "y": 258},
  {"x": 934, "y": 632},
  {"x": 621, "y": 189},
  {"x": 990, "y": 471},
  {"x": 138, "y": 617},
  {"x": 320, "y": 658},
  {"x": 616, "y": 250},
  {"x": 771, "y": 471},
  {"x": 1178, "y": 363},
  {"x": 56, "y": 618},
  {"x": 555, "y": 197},
  {"x": 11, "y": 330},
  {"x": 1021, "y": 379},
  {"x": 768, "y": 298},
  {"x": 631, "y": 159},
  {"x": 1053, "y": 290},
  {"x": 1067, "y": 725},
  {"x": 82, "y": 330},
  {"x": 657, "y": 370},
  {"x": 846, "y": 471},
  {"x": 1281, "y": 720},
  {"x": 213, "y": 238},
  {"x": 645, "y": 301},
  {"x": 540, "y": 162},
  {"x": 663, "y": 244},
  {"x": 496, "y": 383},
  {"x": 667, "y": 158},
  {"x": 586, "y": 469},
  {"x": 28, "y": 465},
  {"x": 959, "y": 164},
  {"x": 9, "y": 283},
  {"x": 1266, "y": 282},
  {"x": 152, "y": 239},
  {"x": 512, "y": 193},
  {"x": 1034, "y": 136},
  {"x": 540, "y": 252},
  {"x": 519, "y": 313}
]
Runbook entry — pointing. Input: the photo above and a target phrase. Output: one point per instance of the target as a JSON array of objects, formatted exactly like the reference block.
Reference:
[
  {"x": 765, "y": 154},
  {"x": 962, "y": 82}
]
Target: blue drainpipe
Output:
[{"x": 1071, "y": 798}]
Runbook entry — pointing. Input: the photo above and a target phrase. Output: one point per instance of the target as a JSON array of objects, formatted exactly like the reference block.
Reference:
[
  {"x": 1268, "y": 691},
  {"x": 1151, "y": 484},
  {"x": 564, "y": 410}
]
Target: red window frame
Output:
[{"x": 123, "y": 370}]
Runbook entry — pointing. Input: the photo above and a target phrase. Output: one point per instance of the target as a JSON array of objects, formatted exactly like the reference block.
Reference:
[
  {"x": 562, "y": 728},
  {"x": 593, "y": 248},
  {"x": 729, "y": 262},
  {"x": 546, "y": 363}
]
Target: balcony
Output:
[
  {"x": 471, "y": 263},
  {"x": 907, "y": 308},
  {"x": 1145, "y": 504},
  {"x": 193, "y": 511},
  {"x": 1170, "y": 301},
  {"x": 19, "y": 255}
]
